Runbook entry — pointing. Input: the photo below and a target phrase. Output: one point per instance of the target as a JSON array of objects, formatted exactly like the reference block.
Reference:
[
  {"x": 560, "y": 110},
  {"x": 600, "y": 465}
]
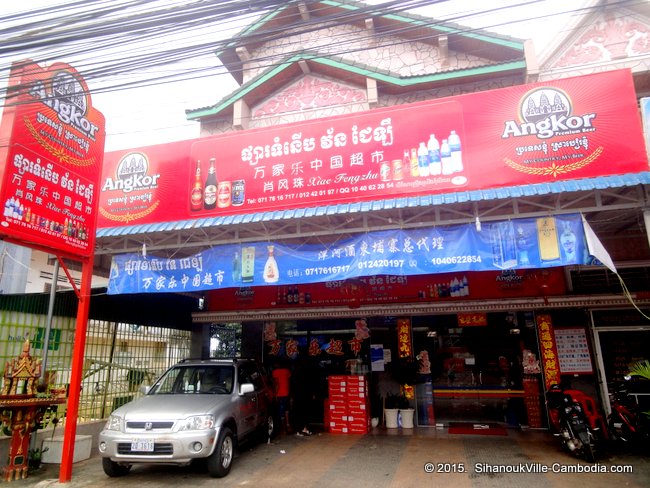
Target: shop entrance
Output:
[
  {"x": 621, "y": 339},
  {"x": 477, "y": 369}
]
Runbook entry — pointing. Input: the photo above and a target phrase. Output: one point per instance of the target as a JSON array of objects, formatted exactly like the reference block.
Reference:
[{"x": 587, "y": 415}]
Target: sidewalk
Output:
[{"x": 384, "y": 458}]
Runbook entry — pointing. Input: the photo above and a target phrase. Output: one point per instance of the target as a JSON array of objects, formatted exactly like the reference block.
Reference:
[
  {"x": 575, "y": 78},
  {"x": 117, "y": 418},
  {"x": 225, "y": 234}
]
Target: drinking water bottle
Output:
[
  {"x": 456, "y": 154},
  {"x": 423, "y": 160},
  {"x": 445, "y": 157},
  {"x": 435, "y": 167}
]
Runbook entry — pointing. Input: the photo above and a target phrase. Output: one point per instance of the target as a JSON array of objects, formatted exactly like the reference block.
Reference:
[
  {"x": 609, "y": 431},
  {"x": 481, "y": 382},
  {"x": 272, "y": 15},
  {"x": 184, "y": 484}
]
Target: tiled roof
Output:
[{"x": 345, "y": 65}]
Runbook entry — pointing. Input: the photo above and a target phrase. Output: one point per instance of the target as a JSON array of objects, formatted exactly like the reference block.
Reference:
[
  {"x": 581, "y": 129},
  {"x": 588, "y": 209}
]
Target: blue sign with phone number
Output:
[{"x": 512, "y": 244}]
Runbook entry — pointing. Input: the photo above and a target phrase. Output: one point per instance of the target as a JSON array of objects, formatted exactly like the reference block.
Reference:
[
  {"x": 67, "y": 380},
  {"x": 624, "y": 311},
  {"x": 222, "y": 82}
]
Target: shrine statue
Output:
[
  {"x": 21, "y": 409},
  {"x": 21, "y": 374}
]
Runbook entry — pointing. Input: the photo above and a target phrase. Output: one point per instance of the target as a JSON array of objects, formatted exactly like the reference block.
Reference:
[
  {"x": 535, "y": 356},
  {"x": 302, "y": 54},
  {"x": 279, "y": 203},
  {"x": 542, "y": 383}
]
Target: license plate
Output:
[{"x": 142, "y": 445}]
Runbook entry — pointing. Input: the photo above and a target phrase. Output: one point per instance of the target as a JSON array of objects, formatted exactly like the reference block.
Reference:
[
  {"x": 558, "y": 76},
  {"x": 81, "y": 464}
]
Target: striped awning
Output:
[{"x": 588, "y": 184}]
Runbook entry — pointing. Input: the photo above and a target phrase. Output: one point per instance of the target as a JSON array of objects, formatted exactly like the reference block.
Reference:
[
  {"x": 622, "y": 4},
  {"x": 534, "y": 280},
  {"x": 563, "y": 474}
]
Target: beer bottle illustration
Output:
[
  {"x": 271, "y": 271},
  {"x": 210, "y": 192},
  {"x": 196, "y": 195},
  {"x": 248, "y": 264},
  {"x": 504, "y": 247},
  {"x": 549, "y": 249},
  {"x": 236, "y": 268}
]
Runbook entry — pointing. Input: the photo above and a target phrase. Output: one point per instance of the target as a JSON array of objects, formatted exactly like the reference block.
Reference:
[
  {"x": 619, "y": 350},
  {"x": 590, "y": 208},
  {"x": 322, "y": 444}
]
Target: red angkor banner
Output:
[
  {"x": 537, "y": 133},
  {"x": 375, "y": 290},
  {"x": 51, "y": 148}
]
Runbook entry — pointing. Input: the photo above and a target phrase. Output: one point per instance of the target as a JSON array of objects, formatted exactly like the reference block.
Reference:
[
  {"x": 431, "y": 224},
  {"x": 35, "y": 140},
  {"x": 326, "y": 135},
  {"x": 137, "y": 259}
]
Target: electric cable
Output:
[{"x": 130, "y": 44}]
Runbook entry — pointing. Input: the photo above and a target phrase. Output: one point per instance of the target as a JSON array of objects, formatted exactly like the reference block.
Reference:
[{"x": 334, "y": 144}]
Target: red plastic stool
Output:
[{"x": 596, "y": 420}]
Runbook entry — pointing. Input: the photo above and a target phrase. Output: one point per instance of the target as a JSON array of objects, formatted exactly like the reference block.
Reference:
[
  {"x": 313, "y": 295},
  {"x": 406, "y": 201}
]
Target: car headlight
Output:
[
  {"x": 197, "y": 422},
  {"x": 113, "y": 423}
]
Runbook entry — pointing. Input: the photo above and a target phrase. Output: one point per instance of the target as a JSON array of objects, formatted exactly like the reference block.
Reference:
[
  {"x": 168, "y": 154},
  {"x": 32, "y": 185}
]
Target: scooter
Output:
[
  {"x": 627, "y": 424},
  {"x": 570, "y": 424}
]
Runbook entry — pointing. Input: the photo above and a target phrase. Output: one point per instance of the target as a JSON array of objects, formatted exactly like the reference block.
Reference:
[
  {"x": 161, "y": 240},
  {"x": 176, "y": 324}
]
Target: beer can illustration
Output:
[
  {"x": 384, "y": 171},
  {"x": 238, "y": 191},
  {"x": 398, "y": 172},
  {"x": 224, "y": 192}
]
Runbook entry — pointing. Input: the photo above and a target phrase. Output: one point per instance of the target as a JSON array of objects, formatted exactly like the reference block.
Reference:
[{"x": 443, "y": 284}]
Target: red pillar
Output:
[{"x": 65, "y": 471}]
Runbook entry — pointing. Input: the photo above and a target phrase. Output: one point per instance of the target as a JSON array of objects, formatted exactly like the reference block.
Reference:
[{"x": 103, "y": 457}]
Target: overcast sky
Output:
[{"x": 156, "y": 114}]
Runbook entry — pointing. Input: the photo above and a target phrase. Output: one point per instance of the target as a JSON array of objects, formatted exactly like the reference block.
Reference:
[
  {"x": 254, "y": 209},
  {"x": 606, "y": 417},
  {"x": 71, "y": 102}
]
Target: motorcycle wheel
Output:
[
  {"x": 616, "y": 433},
  {"x": 588, "y": 445}
]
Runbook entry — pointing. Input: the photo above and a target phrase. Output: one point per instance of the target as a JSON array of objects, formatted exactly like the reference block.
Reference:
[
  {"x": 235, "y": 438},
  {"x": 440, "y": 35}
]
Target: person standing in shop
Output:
[
  {"x": 282, "y": 381},
  {"x": 303, "y": 394}
]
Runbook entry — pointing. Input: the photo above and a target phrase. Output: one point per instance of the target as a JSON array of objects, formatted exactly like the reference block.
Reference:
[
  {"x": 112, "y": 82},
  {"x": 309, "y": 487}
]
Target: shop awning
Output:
[{"x": 566, "y": 186}]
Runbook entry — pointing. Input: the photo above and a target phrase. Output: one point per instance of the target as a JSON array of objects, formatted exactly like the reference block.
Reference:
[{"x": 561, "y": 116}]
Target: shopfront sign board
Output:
[
  {"x": 51, "y": 148},
  {"x": 544, "y": 132}
]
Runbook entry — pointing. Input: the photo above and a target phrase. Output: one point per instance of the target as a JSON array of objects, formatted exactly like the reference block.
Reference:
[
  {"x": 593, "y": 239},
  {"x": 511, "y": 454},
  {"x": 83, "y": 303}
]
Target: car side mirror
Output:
[
  {"x": 246, "y": 388},
  {"x": 144, "y": 389}
]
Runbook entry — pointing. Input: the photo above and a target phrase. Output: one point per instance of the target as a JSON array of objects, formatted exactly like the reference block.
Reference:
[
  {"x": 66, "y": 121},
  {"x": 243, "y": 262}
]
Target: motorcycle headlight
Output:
[
  {"x": 197, "y": 422},
  {"x": 113, "y": 423}
]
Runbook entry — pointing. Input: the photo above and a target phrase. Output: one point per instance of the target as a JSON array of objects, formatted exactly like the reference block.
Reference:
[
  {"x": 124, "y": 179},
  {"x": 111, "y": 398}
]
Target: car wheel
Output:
[
  {"x": 113, "y": 469},
  {"x": 220, "y": 462}
]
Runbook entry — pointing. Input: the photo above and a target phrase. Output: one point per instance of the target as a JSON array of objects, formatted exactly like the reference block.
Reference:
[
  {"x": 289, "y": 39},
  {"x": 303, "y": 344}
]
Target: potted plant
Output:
[
  {"x": 391, "y": 410},
  {"x": 35, "y": 457}
]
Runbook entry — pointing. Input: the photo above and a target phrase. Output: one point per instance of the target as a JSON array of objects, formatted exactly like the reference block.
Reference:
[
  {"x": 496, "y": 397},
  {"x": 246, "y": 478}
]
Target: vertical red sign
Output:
[
  {"x": 548, "y": 348},
  {"x": 51, "y": 147},
  {"x": 404, "y": 342}
]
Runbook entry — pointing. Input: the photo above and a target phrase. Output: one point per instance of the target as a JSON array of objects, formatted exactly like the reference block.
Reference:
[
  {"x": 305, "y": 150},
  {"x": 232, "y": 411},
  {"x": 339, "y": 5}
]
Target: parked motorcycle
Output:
[
  {"x": 627, "y": 423},
  {"x": 570, "y": 423}
]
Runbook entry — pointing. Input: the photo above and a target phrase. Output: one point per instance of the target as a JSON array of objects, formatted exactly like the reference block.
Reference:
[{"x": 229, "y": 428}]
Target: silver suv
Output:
[{"x": 196, "y": 409}]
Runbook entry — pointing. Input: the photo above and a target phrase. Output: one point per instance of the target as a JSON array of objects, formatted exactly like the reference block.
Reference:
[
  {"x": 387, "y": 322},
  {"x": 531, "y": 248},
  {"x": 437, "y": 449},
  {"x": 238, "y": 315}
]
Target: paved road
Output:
[{"x": 384, "y": 458}]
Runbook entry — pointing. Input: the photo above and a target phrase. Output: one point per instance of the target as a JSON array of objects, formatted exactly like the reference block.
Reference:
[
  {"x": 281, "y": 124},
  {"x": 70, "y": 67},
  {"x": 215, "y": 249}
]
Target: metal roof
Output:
[{"x": 588, "y": 184}]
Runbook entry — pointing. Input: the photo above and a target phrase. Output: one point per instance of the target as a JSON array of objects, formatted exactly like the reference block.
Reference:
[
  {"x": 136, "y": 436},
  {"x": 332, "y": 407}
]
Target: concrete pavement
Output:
[{"x": 392, "y": 458}]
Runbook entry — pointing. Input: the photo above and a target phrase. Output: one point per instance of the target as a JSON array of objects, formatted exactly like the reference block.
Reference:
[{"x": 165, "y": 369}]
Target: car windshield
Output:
[{"x": 193, "y": 379}]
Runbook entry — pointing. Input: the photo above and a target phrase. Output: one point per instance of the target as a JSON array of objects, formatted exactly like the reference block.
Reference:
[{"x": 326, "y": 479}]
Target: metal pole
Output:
[
  {"x": 50, "y": 313},
  {"x": 110, "y": 369}
]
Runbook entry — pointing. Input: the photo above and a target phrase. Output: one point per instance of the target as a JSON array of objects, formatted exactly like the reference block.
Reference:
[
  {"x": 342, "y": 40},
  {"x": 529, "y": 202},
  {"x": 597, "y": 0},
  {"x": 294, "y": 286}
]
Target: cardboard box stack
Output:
[{"x": 347, "y": 411}]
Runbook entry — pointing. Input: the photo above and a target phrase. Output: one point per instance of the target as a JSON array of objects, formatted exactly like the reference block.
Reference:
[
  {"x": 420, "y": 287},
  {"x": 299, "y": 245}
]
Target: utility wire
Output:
[{"x": 121, "y": 44}]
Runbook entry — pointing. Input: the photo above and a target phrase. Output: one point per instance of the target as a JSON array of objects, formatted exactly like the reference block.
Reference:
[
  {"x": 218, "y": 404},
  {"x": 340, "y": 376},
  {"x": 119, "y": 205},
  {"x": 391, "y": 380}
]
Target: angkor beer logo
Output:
[
  {"x": 137, "y": 185},
  {"x": 132, "y": 173},
  {"x": 546, "y": 113},
  {"x": 68, "y": 99}
]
